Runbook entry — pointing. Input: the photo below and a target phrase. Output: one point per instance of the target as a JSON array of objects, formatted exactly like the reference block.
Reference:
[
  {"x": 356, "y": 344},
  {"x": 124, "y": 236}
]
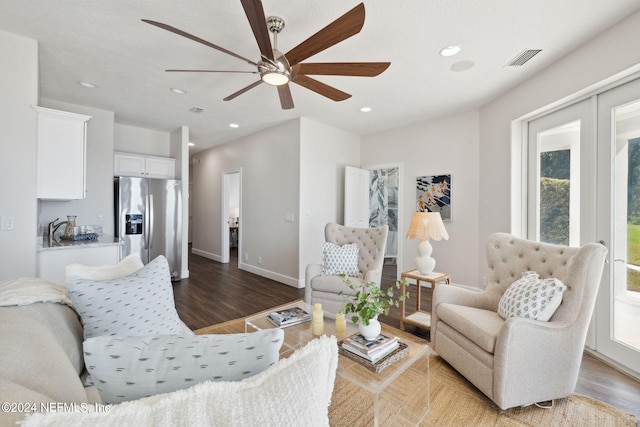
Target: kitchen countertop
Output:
[{"x": 45, "y": 245}]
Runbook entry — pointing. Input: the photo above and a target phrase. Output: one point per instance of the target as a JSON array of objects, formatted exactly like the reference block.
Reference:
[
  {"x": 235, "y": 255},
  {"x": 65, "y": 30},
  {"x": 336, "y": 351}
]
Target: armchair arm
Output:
[
  {"x": 548, "y": 354},
  {"x": 454, "y": 295},
  {"x": 312, "y": 270},
  {"x": 373, "y": 276}
]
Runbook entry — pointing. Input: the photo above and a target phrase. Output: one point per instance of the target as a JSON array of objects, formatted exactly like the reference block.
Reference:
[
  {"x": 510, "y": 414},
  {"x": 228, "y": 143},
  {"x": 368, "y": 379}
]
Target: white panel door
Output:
[{"x": 356, "y": 197}]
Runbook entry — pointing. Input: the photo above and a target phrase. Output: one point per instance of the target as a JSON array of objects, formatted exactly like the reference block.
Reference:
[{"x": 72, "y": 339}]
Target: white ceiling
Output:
[{"x": 106, "y": 43}]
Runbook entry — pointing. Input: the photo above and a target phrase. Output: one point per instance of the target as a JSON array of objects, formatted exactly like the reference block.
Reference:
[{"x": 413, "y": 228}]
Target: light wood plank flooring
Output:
[{"x": 217, "y": 292}]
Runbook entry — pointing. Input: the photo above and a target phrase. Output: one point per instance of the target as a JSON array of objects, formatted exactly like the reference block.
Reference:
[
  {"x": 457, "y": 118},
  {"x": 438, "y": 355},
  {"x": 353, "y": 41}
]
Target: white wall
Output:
[
  {"x": 270, "y": 165},
  {"x": 132, "y": 139},
  {"x": 443, "y": 146},
  {"x": 97, "y": 207},
  {"x": 600, "y": 59},
  {"x": 324, "y": 152},
  {"x": 19, "y": 89}
]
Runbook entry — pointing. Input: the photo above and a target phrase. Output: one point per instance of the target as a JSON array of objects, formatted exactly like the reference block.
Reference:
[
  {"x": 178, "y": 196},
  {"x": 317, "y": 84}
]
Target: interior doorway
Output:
[
  {"x": 231, "y": 215},
  {"x": 373, "y": 198}
]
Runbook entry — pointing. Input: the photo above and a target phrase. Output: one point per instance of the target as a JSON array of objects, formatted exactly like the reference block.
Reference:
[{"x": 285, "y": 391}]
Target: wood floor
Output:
[{"x": 217, "y": 292}]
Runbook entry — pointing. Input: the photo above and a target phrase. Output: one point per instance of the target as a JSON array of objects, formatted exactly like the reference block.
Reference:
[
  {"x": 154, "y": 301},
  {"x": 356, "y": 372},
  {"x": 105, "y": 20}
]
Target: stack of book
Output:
[
  {"x": 372, "y": 350},
  {"x": 289, "y": 317}
]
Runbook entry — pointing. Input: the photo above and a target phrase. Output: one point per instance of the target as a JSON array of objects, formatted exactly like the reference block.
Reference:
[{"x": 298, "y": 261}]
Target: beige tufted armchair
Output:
[
  {"x": 326, "y": 290},
  {"x": 518, "y": 361}
]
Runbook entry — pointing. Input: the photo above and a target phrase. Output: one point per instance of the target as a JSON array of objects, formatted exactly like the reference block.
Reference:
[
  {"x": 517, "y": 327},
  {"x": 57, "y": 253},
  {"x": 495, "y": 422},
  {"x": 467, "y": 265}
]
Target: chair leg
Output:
[{"x": 548, "y": 404}]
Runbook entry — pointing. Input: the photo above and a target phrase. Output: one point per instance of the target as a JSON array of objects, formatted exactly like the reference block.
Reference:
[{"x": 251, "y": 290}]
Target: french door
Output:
[
  {"x": 618, "y": 213},
  {"x": 583, "y": 186}
]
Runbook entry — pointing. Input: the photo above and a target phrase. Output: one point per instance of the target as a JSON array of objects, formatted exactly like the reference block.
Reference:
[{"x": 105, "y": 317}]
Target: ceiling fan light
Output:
[{"x": 275, "y": 78}]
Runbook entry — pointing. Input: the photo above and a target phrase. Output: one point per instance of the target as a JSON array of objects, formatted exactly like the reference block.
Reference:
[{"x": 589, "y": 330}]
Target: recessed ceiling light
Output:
[
  {"x": 450, "y": 50},
  {"x": 87, "y": 84},
  {"x": 462, "y": 66},
  {"x": 191, "y": 144},
  {"x": 234, "y": 125},
  {"x": 178, "y": 91},
  {"x": 365, "y": 109}
]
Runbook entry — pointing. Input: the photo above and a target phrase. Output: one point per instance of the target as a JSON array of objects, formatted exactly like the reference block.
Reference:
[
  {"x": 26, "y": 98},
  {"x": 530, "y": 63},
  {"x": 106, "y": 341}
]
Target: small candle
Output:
[
  {"x": 317, "y": 320},
  {"x": 341, "y": 326}
]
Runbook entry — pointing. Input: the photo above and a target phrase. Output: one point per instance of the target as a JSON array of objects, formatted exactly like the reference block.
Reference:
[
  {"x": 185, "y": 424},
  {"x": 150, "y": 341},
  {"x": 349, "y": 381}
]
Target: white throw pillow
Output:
[
  {"x": 128, "y": 368},
  {"x": 139, "y": 304},
  {"x": 531, "y": 297},
  {"x": 296, "y": 391},
  {"x": 129, "y": 264},
  {"x": 338, "y": 260}
]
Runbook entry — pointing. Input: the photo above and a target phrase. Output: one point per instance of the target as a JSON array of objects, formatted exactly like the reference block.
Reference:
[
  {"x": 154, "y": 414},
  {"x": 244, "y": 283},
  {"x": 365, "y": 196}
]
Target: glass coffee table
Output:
[{"x": 398, "y": 395}]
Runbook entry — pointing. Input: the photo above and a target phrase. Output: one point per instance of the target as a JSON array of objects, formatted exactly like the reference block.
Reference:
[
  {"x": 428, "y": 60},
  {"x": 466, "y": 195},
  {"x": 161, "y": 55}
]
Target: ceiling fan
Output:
[{"x": 278, "y": 69}]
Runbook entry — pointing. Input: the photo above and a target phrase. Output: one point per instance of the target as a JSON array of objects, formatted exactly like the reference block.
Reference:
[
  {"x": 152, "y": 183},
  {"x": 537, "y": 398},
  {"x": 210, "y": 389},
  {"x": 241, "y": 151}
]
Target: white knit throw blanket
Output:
[
  {"x": 294, "y": 392},
  {"x": 29, "y": 290}
]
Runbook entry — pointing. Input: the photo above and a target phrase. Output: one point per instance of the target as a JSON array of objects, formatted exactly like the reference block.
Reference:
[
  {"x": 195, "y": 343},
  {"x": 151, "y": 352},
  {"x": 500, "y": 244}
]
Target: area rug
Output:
[{"x": 456, "y": 402}]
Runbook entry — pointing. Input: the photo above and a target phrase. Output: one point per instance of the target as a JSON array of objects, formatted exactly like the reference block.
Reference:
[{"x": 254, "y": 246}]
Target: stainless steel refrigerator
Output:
[{"x": 148, "y": 219}]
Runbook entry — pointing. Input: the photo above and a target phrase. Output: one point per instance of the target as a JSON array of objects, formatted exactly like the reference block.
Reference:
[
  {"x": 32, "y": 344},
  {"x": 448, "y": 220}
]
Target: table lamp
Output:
[{"x": 425, "y": 226}]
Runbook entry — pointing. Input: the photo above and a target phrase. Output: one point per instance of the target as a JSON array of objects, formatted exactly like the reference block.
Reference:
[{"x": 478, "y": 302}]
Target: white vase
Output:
[{"x": 372, "y": 330}]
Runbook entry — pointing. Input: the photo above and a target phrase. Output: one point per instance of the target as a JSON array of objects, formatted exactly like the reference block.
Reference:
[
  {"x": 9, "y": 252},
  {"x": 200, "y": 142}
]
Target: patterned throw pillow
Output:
[
  {"x": 338, "y": 260},
  {"x": 128, "y": 368},
  {"x": 139, "y": 304},
  {"x": 531, "y": 297}
]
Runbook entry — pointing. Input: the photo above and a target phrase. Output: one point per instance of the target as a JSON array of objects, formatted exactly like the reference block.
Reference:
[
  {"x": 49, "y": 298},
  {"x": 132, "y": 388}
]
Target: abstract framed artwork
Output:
[{"x": 433, "y": 194}]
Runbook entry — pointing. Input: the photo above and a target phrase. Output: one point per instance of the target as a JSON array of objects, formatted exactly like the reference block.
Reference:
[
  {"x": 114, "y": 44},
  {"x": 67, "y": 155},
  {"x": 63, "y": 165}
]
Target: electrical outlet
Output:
[
  {"x": 288, "y": 217},
  {"x": 246, "y": 256},
  {"x": 100, "y": 218},
  {"x": 259, "y": 260}
]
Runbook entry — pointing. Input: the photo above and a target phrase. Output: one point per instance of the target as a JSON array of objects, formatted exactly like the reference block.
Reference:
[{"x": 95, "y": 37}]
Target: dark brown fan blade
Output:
[
  {"x": 197, "y": 39},
  {"x": 341, "y": 29},
  {"x": 286, "y": 100},
  {"x": 255, "y": 14},
  {"x": 210, "y": 71},
  {"x": 360, "y": 69},
  {"x": 241, "y": 91},
  {"x": 321, "y": 88}
]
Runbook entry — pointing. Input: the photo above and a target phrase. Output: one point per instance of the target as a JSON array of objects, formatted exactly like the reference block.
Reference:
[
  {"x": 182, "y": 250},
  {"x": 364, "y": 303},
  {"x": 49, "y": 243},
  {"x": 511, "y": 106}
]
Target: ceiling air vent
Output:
[
  {"x": 196, "y": 110},
  {"x": 523, "y": 57}
]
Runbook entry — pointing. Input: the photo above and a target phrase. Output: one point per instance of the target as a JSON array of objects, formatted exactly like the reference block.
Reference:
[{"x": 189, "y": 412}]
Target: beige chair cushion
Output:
[{"x": 480, "y": 326}]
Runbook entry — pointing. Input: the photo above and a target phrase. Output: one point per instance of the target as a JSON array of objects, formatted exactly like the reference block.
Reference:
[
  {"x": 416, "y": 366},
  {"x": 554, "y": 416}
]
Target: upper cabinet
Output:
[
  {"x": 61, "y": 162},
  {"x": 126, "y": 164}
]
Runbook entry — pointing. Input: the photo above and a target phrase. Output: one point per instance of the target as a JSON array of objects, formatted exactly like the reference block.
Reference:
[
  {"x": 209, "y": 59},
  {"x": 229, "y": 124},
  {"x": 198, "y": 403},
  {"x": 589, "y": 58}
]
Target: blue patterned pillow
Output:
[
  {"x": 138, "y": 304},
  {"x": 128, "y": 368},
  {"x": 338, "y": 260},
  {"x": 531, "y": 297}
]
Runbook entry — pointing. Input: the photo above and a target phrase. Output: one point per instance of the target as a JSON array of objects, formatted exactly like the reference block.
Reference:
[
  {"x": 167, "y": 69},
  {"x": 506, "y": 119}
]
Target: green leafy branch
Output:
[{"x": 369, "y": 300}]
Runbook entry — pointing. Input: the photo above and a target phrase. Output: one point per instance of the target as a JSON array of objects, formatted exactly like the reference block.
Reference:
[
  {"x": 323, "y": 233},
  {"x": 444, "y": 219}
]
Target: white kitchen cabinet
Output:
[
  {"x": 51, "y": 263},
  {"x": 126, "y": 164},
  {"x": 61, "y": 161}
]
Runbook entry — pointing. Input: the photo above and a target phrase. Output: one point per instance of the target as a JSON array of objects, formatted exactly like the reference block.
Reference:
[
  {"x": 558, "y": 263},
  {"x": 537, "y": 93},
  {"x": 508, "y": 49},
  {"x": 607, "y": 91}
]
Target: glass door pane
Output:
[{"x": 557, "y": 200}]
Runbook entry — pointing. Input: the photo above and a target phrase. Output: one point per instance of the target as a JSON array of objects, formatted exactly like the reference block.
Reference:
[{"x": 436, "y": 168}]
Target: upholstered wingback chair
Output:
[
  {"x": 519, "y": 361},
  {"x": 371, "y": 242}
]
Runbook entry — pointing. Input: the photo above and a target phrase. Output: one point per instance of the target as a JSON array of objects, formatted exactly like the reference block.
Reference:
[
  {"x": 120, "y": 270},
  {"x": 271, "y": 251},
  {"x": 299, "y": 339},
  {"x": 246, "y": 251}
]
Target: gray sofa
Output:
[{"x": 40, "y": 358}]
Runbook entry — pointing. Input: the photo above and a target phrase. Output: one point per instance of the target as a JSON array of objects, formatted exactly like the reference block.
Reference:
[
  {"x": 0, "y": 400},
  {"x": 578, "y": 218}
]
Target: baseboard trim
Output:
[
  {"x": 205, "y": 254},
  {"x": 290, "y": 281}
]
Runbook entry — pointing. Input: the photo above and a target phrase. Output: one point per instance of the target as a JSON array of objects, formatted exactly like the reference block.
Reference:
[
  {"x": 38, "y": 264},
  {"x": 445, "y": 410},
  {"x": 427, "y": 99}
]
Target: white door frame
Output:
[{"x": 224, "y": 214}]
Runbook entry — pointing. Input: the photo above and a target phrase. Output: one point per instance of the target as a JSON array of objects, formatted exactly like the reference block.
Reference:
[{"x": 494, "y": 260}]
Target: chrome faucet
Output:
[{"x": 53, "y": 227}]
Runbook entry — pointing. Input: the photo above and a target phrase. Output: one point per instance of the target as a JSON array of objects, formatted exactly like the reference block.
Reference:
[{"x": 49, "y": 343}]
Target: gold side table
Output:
[{"x": 420, "y": 318}]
